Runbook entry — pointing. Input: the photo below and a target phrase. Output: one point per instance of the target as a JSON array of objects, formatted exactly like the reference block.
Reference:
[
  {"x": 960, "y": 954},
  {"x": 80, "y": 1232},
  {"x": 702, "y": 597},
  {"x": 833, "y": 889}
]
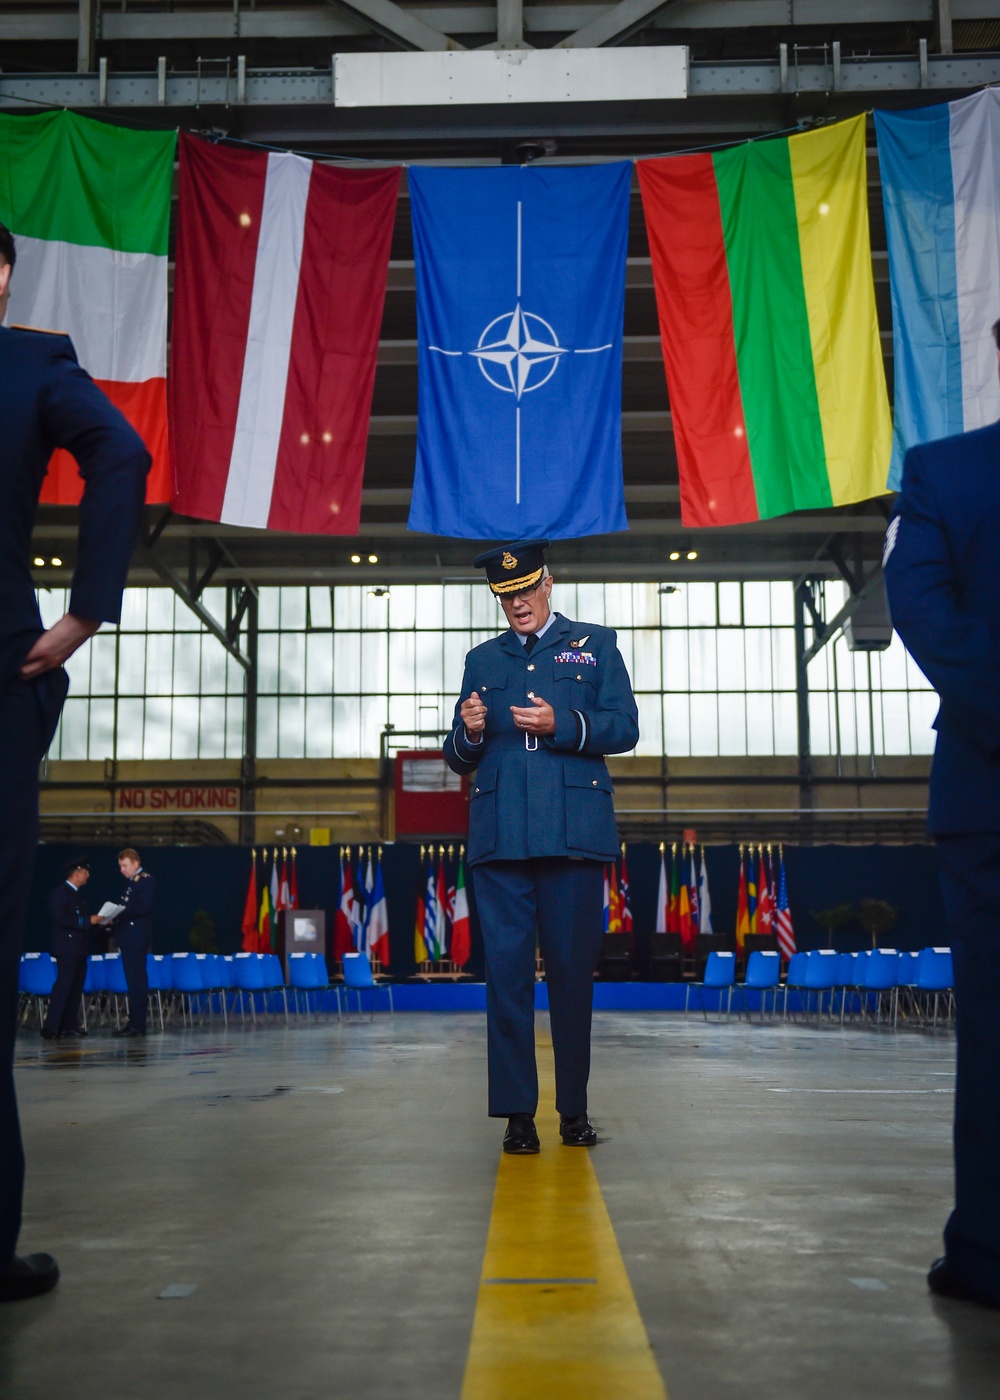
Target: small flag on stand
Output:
[
  {"x": 284, "y": 893},
  {"x": 674, "y": 904},
  {"x": 783, "y": 916},
  {"x": 751, "y": 895},
  {"x": 264, "y": 917},
  {"x": 704, "y": 899},
  {"x": 441, "y": 929},
  {"x": 607, "y": 901},
  {"x": 343, "y": 937},
  {"x": 627, "y": 926},
  {"x": 742, "y": 907},
  {"x": 614, "y": 900},
  {"x": 684, "y": 903},
  {"x": 431, "y": 912},
  {"x": 765, "y": 909},
  {"x": 693, "y": 896},
  {"x": 419, "y": 925},
  {"x": 249, "y": 922},
  {"x": 663, "y": 894},
  {"x": 378, "y": 917},
  {"x": 461, "y": 934},
  {"x": 275, "y": 897},
  {"x": 293, "y": 889}
]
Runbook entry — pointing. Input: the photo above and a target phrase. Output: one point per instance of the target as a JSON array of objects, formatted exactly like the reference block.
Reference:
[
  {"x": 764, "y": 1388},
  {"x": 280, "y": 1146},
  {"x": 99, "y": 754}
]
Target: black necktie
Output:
[{"x": 529, "y": 643}]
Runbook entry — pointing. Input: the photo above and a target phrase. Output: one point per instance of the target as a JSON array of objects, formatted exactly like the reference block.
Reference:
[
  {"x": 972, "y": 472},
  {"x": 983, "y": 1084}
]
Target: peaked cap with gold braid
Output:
[{"x": 511, "y": 568}]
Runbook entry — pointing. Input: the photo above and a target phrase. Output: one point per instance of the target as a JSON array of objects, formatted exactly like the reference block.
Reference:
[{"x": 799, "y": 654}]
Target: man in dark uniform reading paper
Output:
[
  {"x": 71, "y": 925},
  {"x": 46, "y": 401},
  {"x": 540, "y": 707}
]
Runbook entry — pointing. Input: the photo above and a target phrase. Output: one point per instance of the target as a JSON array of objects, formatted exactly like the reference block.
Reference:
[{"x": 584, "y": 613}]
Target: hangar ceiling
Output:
[{"x": 262, "y": 73}]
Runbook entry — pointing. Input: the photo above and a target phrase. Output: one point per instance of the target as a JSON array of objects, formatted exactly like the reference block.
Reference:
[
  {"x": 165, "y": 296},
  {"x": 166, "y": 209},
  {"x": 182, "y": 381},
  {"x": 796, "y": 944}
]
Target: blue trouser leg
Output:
[
  {"x": 970, "y": 879},
  {"x": 21, "y": 744},
  {"x": 571, "y": 928},
  {"x": 64, "y": 1003},
  {"x": 137, "y": 981},
  {"x": 505, "y": 899},
  {"x": 558, "y": 900}
]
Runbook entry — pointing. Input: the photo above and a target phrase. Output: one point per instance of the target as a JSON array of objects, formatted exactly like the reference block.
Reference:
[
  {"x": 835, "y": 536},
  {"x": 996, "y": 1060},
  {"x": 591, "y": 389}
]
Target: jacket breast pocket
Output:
[
  {"x": 493, "y": 693},
  {"x": 575, "y": 688},
  {"x": 483, "y": 815},
  {"x": 590, "y": 812}
]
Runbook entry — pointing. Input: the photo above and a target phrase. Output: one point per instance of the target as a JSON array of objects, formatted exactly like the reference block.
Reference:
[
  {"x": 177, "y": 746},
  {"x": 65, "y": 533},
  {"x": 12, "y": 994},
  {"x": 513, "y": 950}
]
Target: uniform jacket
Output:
[
  {"x": 944, "y": 593},
  {"x": 48, "y": 401},
  {"x": 554, "y": 800},
  {"x": 70, "y": 920},
  {"x": 135, "y": 924}
]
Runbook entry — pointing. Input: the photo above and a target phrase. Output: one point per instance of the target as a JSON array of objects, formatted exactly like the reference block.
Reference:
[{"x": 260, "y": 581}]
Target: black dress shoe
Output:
[
  {"x": 48, "y": 1035},
  {"x": 73, "y": 1035},
  {"x": 943, "y": 1281},
  {"x": 520, "y": 1139},
  {"x": 27, "y": 1276},
  {"x": 126, "y": 1032},
  {"x": 577, "y": 1132}
]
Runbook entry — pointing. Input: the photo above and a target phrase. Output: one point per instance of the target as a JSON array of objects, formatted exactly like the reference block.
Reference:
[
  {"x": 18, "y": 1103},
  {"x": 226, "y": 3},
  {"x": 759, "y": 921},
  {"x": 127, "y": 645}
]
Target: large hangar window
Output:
[{"x": 713, "y": 666}]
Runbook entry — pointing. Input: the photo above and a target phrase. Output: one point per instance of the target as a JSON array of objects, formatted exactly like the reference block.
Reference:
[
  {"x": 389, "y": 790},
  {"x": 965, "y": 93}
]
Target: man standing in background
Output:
[
  {"x": 71, "y": 924},
  {"x": 46, "y": 401},
  {"x": 133, "y": 931},
  {"x": 940, "y": 562}
]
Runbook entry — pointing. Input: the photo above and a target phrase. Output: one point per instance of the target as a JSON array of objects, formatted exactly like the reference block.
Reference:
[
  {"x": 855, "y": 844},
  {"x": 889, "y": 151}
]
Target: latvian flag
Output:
[
  {"x": 282, "y": 266},
  {"x": 89, "y": 207}
]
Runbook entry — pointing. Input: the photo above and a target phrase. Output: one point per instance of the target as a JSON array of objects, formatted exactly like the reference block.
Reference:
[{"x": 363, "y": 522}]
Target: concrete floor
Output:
[{"x": 777, "y": 1193}]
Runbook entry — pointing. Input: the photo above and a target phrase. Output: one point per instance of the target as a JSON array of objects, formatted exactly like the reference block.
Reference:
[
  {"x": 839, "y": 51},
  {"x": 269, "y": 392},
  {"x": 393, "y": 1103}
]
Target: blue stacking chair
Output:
[
  {"x": 187, "y": 979},
  {"x": 36, "y": 978},
  {"x": 847, "y": 980},
  {"x": 935, "y": 974},
  {"x": 258, "y": 972},
  {"x": 114, "y": 973},
  {"x": 822, "y": 966},
  {"x": 763, "y": 975},
  {"x": 881, "y": 977},
  {"x": 307, "y": 972},
  {"x": 795, "y": 978},
  {"x": 358, "y": 978},
  {"x": 160, "y": 979},
  {"x": 720, "y": 976},
  {"x": 225, "y": 979},
  {"x": 906, "y": 985},
  {"x": 274, "y": 980},
  {"x": 211, "y": 978},
  {"x": 95, "y": 986}
]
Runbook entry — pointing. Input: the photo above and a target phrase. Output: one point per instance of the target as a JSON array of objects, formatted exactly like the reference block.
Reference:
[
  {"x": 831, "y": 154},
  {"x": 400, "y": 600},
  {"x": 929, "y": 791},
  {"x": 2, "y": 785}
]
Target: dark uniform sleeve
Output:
[
  {"x": 64, "y": 911},
  {"x": 612, "y": 726},
  {"x": 460, "y": 755},
  {"x": 955, "y": 648},
  {"x": 142, "y": 896},
  {"x": 113, "y": 462}
]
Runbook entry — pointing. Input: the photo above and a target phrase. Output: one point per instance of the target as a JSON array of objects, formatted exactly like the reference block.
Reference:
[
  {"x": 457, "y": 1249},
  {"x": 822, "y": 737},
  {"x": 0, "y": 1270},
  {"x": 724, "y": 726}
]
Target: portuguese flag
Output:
[
  {"x": 89, "y": 207},
  {"x": 762, "y": 268}
]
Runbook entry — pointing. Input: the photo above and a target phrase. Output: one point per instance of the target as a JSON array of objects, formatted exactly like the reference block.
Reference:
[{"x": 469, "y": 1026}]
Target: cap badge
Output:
[{"x": 508, "y": 561}]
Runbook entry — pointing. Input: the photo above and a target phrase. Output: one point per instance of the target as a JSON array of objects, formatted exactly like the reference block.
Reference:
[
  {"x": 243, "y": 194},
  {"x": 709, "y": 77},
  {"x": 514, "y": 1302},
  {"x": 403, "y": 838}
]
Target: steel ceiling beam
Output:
[{"x": 617, "y": 23}]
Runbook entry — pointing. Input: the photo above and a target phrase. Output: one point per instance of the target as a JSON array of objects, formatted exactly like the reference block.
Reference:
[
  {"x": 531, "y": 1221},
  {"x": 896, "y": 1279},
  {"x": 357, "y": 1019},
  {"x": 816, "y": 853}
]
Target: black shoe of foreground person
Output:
[
  {"x": 26, "y": 1276},
  {"x": 520, "y": 1139},
  {"x": 943, "y": 1281},
  {"x": 126, "y": 1032},
  {"x": 577, "y": 1132}
]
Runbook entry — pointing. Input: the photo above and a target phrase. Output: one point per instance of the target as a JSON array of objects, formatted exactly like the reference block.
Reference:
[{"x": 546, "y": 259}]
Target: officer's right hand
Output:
[
  {"x": 57, "y": 645},
  {"x": 473, "y": 713}
]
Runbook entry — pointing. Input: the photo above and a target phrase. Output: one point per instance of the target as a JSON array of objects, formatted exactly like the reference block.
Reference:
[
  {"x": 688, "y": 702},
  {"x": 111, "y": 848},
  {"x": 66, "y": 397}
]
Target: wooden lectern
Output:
[{"x": 302, "y": 931}]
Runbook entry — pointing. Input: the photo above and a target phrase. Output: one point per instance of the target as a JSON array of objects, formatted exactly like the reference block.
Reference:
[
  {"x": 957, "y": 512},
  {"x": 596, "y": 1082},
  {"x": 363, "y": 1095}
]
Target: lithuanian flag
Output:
[
  {"x": 89, "y": 207},
  {"x": 762, "y": 268}
]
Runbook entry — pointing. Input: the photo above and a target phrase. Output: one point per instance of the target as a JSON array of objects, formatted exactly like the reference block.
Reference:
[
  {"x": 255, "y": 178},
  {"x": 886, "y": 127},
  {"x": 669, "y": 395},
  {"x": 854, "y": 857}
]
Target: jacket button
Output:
[
  {"x": 531, "y": 695},
  {"x": 484, "y": 688},
  {"x": 594, "y": 783},
  {"x": 477, "y": 789},
  {"x": 579, "y": 678},
  {"x": 531, "y": 665}
]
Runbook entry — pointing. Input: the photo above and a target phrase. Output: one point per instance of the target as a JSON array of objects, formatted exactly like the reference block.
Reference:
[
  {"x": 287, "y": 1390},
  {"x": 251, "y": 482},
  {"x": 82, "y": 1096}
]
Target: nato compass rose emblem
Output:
[{"x": 519, "y": 352}]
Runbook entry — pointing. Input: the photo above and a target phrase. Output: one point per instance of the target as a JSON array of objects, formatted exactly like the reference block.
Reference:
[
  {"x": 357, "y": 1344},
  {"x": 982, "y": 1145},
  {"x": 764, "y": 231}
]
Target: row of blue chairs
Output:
[
  {"x": 911, "y": 984},
  {"x": 201, "y": 983}
]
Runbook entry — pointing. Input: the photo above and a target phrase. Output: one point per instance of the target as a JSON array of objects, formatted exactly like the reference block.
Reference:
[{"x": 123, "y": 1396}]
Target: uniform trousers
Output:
[
  {"x": 23, "y": 736},
  {"x": 970, "y": 880},
  {"x": 559, "y": 901},
  {"x": 64, "y": 1004},
  {"x": 134, "y": 949}
]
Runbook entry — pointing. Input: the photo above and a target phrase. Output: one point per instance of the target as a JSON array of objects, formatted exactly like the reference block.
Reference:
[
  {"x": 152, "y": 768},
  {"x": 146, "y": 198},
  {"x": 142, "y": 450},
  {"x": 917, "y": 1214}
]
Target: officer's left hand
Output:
[
  {"x": 538, "y": 719},
  {"x": 57, "y": 645}
]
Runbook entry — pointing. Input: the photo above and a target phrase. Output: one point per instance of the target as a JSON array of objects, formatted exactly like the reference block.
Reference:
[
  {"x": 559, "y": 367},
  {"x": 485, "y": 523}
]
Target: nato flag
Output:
[{"x": 520, "y": 303}]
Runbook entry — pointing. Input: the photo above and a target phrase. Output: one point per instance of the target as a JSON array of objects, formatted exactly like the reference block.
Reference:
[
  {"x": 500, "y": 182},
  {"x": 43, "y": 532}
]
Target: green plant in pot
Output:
[
  {"x": 876, "y": 918},
  {"x": 201, "y": 934}
]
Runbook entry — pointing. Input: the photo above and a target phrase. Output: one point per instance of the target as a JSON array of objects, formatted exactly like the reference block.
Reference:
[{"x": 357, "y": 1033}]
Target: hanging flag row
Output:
[
  {"x": 762, "y": 897},
  {"x": 361, "y": 918},
  {"x": 763, "y": 276},
  {"x": 267, "y": 896},
  {"x": 683, "y": 902},
  {"x": 441, "y": 929}
]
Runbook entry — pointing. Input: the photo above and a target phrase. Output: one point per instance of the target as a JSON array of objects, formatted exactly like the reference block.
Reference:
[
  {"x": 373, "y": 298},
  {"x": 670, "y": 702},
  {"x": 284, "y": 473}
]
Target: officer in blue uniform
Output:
[
  {"x": 540, "y": 707},
  {"x": 133, "y": 930},
  {"x": 71, "y": 924},
  {"x": 940, "y": 563},
  {"x": 46, "y": 401}
]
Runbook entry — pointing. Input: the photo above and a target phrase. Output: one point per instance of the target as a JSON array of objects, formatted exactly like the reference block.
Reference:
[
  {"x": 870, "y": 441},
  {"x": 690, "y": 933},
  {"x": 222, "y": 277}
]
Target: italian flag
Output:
[
  {"x": 89, "y": 207},
  {"x": 762, "y": 268}
]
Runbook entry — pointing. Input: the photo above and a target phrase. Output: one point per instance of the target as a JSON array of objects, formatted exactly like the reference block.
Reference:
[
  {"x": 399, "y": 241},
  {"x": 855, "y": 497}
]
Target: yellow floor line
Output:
[{"x": 556, "y": 1316}]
